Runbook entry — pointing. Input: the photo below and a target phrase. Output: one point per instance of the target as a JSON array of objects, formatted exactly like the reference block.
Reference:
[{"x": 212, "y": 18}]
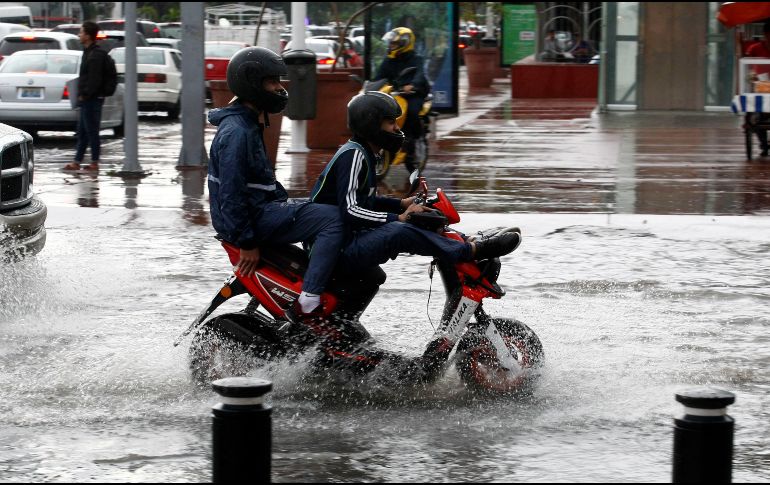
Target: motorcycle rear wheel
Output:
[
  {"x": 228, "y": 345},
  {"x": 480, "y": 368}
]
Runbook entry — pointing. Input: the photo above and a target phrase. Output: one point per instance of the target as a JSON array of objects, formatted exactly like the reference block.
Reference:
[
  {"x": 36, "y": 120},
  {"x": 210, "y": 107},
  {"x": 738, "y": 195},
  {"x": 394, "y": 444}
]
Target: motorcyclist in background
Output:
[{"x": 415, "y": 87}]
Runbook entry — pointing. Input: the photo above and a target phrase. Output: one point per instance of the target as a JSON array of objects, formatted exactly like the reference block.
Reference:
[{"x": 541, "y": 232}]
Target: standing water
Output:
[{"x": 630, "y": 309}]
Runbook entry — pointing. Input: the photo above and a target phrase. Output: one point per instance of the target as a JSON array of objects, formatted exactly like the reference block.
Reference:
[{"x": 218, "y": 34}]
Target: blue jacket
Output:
[
  {"x": 241, "y": 179},
  {"x": 349, "y": 181}
]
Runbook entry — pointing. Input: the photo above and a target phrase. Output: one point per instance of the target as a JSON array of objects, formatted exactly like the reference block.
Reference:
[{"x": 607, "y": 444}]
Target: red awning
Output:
[{"x": 737, "y": 13}]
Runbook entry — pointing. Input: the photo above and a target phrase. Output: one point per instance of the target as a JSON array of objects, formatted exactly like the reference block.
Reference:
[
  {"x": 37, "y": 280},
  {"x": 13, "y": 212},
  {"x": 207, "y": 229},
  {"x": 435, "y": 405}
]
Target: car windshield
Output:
[
  {"x": 27, "y": 43},
  {"x": 143, "y": 56},
  {"x": 222, "y": 50},
  {"x": 42, "y": 63}
]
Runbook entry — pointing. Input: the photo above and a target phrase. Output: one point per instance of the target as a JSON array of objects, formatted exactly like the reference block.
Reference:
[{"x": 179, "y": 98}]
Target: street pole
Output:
[
  {"x": 298, "y": 127},
  {"x": 130, "y": 100},
  {"x": 193, "y": 153},
  {"x": 490, "y": 21}
]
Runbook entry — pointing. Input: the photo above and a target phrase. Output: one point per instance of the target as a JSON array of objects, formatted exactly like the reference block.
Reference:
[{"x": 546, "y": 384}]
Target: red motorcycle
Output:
[{"x": 497, "y": 355}]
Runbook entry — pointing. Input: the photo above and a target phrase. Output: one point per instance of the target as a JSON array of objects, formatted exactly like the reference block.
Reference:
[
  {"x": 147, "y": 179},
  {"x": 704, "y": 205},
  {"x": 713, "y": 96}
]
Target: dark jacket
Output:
[
  {"x": 391, "y": 68},
  {"x": 92, "y": 68},
  {"x": 349, "y": 181},
  {"x": 241, "y": 178}
]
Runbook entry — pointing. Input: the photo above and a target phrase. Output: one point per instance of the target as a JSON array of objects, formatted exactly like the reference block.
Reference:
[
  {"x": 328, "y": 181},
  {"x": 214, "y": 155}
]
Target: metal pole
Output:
[
  {"x": 193, "y": 154},
  {"x": 298, "y": 127},
  {"x": 241, "y": 431},
  {"x": 130, "y": 100},
  {"x": 703, "y": 437},
  {"x": 490, "y": 21}
]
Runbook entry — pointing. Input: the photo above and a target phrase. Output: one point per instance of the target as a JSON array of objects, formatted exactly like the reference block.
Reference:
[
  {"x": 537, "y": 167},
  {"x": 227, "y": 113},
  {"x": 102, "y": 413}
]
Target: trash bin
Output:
[{"x": 301, "y": 65}]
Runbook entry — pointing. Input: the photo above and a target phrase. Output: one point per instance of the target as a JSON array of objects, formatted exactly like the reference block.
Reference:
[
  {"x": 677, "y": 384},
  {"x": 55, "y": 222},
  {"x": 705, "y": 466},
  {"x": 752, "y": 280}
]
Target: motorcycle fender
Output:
[
  {"x": 452, "y": 328},
  {"x": 503, "y": 353}
]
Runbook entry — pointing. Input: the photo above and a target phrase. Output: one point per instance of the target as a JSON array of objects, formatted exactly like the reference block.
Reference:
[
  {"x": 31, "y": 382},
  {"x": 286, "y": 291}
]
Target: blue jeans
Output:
[
  {"x": 375, "y": 246},
  {"x": 292, "y": 222},
  {"x": 88, "y": 128}
]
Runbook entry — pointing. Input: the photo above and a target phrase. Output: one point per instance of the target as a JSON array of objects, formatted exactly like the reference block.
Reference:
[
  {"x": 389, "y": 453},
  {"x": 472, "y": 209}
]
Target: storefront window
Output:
[
  {"x": 720, "y": 61},
  {"x": 622, "y": 48}
]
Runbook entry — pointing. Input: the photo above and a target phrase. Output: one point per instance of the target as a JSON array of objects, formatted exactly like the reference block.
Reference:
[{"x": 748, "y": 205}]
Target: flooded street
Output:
[{"x": 644, "y": 270}]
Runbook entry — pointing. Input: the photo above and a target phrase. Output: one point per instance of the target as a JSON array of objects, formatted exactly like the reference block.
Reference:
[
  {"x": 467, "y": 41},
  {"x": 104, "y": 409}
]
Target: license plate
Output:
[{"x": 30, "y": 93}]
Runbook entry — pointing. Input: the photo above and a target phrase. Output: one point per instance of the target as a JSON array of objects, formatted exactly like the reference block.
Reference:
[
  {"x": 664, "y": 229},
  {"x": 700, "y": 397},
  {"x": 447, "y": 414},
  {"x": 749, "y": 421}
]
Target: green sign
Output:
[{"x": 519, "y": 27}]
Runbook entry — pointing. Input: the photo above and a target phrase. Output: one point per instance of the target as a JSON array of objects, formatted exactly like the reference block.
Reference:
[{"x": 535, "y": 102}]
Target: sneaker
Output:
[
  {"x": 314, "y": 320},
  {"x": 497, "y": 246}
]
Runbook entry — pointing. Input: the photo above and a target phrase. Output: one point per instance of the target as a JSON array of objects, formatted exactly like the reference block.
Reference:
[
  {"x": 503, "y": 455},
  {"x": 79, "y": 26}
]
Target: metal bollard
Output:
[
  {"x": 242, "y": 431},
  {"x": 703, "y": 437}
]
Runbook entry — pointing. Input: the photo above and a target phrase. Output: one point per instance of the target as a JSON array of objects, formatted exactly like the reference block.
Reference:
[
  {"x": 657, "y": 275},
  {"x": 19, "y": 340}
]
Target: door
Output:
[{"x": 673, "y": 52}]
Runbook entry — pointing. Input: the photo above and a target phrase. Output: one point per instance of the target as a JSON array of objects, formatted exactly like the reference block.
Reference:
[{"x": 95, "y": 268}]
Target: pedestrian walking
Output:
[{"x": 94, "y": 84}]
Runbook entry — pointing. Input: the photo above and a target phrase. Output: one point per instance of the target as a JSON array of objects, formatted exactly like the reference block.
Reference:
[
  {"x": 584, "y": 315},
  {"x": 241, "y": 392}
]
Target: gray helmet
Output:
[
  {"x": 248, "y": 68},
  {"x": 365, "y": 114}
]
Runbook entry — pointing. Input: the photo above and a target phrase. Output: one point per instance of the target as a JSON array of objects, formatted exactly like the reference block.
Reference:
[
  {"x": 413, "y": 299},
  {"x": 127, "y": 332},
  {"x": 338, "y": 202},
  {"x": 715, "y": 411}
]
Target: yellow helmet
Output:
[{"x": 400, "y": 41}]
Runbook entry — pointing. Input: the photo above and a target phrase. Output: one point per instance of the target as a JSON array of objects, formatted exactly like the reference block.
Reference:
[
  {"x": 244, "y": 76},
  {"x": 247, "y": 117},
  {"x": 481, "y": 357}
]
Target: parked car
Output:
[
  {"x": 352, "y": 57},
  {"x": 172, "y": 30},
  {"x": 167, "y": 42},
  {"x": 218, "y": 55},
  {"x": 73, "y": 29},
  {"x": 159, "y": 72},
  {"x": 22, "y": 214},
  {"x": 34, "y": 94},
  {"x": 25, "y": 41},
  {"x": 324, "y": 50},
  {"x": 7, "y": 28},
  {"x": 145, "y": 27},
  {"x": 110, "y": 39}
]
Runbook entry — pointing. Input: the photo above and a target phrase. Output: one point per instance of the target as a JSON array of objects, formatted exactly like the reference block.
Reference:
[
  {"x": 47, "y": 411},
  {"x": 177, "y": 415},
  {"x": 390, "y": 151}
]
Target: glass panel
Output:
[
  {"x": 628, "y": 18},
  {"x": 625, "y": 72}
]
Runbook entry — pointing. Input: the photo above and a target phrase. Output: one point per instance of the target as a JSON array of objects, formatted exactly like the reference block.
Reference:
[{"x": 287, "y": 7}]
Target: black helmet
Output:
[
  {"x": 365, "y": 114},
  {"x": 248, "y": 68}
]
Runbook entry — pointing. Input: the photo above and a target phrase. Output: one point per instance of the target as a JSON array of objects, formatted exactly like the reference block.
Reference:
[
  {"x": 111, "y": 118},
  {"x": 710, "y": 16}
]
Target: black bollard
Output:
[
  {"x": 242, "y": 431},
  {"x": 703, "y": 437}
]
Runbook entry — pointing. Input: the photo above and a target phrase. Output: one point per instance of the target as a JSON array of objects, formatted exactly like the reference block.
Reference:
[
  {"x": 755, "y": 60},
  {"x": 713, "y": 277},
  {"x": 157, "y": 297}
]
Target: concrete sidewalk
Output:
[{"x": 498, "y": 155}]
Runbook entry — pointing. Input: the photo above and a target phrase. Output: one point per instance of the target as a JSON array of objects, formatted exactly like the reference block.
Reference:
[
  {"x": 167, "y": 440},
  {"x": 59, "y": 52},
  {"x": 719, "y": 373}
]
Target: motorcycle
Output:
[
  {"x": 425, "y": 114},
  {"x": 494, "y": 355}
]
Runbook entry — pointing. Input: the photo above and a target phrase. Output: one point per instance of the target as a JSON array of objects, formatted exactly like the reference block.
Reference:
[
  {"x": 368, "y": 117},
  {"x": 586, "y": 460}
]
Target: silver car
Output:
[
  {"x": 22, "y": 214},
  {"x": 34, "y": 94}
]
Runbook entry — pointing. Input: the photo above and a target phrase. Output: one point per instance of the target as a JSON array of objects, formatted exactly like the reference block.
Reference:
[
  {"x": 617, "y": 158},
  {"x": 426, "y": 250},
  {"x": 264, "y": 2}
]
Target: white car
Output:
[
  {"x": 25, "y": 41},
  {"x": 167, "y": 42},
  {"x": 34, "y": 94},
  {"x": 324, "y": 50},
  {"x": 22, "y": 214},
  {"x": 159, "y": 76}
]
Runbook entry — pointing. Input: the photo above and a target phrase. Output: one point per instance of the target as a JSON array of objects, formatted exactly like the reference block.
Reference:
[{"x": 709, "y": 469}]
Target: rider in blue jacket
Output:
[
  {"x": 379, "y": 227},
  {"x": 249, "y": 207}
]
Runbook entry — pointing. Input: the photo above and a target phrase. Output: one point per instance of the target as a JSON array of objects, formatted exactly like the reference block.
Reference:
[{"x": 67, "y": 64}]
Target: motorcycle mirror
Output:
[{"x": 414, "y": 182}]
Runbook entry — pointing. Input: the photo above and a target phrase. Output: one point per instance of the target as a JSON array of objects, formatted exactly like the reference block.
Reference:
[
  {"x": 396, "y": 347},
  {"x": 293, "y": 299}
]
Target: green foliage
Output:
[
  {"x": 147, "y": 12},
  {"x": 173, "y": 14}
]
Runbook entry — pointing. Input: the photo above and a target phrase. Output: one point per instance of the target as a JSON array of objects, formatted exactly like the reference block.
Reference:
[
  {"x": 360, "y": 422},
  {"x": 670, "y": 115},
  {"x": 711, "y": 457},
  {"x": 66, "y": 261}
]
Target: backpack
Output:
[{"x": 110, "y": 77}]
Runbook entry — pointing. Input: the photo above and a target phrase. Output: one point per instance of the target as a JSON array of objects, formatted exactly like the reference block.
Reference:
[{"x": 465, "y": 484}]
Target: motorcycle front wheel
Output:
[
  {"x": 482, "y": 370},
  {"x": 229, "y": 345}
]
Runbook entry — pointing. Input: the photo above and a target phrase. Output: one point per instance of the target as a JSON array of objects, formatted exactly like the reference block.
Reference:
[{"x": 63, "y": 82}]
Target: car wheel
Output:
[
  {"x": 120, "y": 130},
  {"x": 173, "y": 112}
]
